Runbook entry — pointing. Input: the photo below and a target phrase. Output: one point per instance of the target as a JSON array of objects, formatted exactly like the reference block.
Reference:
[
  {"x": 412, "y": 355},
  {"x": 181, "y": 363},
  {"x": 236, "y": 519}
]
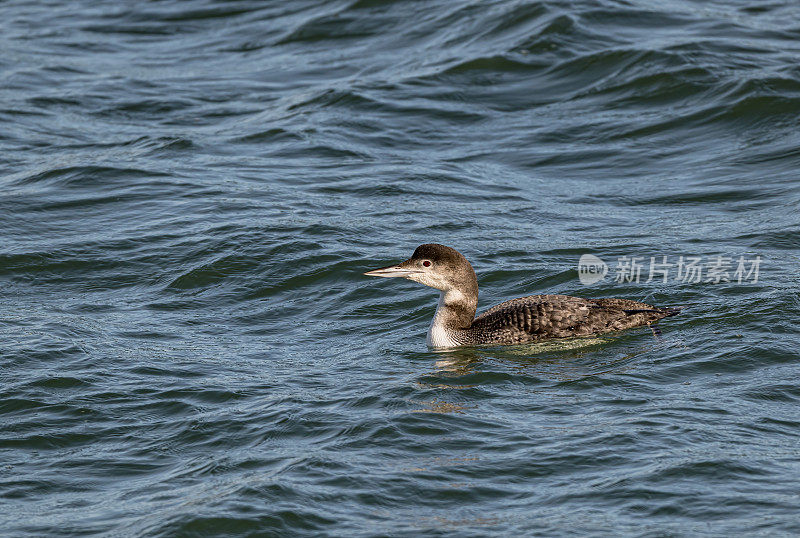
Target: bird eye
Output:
[{"x": 426, "y": 263}]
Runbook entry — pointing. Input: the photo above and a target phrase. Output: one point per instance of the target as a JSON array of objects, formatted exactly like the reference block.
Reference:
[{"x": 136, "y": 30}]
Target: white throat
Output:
[{"x": 438, "y": 334}]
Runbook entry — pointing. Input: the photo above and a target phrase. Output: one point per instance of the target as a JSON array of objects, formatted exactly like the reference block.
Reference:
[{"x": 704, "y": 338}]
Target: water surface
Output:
[{"x": 191, "y": 191}]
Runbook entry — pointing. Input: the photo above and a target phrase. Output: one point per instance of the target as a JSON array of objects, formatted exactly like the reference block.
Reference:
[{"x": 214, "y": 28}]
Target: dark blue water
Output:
[{"x": 191, "y": 191}]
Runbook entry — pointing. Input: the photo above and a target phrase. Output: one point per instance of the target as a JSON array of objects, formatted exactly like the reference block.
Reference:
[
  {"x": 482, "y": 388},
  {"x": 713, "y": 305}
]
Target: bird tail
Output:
[
  {"x": 673, "y": 310},
  {"x": 677, "y": 309},
  {"x": 667, "y": 310}
]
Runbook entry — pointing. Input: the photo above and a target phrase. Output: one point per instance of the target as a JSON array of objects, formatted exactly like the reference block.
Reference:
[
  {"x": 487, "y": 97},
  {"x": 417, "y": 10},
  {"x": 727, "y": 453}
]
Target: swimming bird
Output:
[{"x": 518, "y": 321}]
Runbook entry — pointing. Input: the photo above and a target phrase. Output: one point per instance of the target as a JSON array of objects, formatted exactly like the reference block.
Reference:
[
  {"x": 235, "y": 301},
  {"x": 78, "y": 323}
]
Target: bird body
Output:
[{"x": 519, "y": 321}]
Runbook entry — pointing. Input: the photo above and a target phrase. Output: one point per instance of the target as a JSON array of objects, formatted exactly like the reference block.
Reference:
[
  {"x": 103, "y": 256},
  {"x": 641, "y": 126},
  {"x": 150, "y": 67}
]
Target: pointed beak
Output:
[{"x": 392, "y": 271}]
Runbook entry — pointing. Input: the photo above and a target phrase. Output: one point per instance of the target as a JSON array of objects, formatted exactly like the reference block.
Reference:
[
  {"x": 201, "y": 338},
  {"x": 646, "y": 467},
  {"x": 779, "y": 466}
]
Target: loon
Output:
[{"x": 518, "y": 321}]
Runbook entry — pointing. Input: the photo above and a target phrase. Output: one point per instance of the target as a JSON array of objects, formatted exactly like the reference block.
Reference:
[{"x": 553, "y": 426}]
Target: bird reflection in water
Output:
[
  {"x": 536, "y": 365},
  {"x": 559, "y": 360}
]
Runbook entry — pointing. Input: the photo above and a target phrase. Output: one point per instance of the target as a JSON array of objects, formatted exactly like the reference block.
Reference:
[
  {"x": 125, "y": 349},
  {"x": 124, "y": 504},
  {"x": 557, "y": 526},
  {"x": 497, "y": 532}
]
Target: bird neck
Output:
[{"x": 456, "y": 308}]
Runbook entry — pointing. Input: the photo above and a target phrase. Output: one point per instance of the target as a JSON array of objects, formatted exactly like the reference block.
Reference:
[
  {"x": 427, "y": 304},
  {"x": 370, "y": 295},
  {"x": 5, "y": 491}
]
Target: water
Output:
[{"x": 191, "y": 191}]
